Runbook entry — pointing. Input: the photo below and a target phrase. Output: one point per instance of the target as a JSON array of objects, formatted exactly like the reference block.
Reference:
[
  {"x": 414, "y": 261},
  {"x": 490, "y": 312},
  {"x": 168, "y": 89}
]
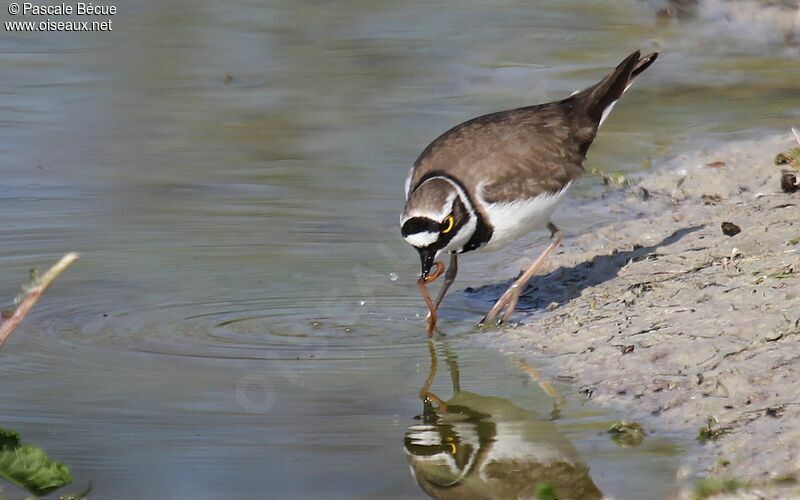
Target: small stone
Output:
[
  {"x": 789, "y": 183},
  {"x": 775, "y": 411},
  {"x": 730, "y": 229}
]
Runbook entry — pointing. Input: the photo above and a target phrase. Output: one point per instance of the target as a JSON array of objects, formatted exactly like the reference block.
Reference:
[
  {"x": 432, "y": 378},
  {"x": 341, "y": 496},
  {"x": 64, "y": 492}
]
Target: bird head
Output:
[{"x": 437, "y": 218}]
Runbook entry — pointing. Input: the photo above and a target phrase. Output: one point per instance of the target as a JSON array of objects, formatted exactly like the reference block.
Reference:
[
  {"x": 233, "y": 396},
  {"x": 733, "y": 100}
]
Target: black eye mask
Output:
[{"x": 419, "y": 225}]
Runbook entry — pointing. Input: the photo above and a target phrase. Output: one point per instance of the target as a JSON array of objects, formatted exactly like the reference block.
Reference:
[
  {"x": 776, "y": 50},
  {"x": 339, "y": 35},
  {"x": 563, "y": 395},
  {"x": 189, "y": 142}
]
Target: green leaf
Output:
[
  {"x": 626, "y": 433},
  {"x": 545, "y": 491},
  {"x": 715, "y": 486},
  {"x": 29, "y": 467},
  {"x": 8, "y": 439},
  {"x": 711, "y": 431}
]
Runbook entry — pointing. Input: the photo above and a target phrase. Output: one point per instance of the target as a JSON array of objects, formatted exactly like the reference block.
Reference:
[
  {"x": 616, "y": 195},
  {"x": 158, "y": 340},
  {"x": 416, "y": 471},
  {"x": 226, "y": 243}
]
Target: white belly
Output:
[{"x": 512, "y": 221}]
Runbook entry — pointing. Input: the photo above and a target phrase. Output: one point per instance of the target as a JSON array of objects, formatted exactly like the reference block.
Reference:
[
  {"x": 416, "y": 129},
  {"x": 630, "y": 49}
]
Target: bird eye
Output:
[{"x": 450, "y": 222}]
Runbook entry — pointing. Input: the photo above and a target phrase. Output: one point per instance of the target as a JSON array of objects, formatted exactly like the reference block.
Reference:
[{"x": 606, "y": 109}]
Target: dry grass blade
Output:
[{"x": 32, "y": 295}]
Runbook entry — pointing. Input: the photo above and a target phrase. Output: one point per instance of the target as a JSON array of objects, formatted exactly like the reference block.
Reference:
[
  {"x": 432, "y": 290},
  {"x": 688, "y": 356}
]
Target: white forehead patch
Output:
[{"x": 422, "y": 239}]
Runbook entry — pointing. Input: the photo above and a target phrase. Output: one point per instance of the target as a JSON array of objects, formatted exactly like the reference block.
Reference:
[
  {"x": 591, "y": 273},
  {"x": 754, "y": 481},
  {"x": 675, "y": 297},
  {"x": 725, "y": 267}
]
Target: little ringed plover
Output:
[{"x": 493, "y": 179}]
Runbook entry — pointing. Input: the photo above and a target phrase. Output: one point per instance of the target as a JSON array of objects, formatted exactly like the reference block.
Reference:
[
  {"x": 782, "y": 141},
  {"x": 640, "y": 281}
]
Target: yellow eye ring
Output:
[{"x": 450, "y": 223}]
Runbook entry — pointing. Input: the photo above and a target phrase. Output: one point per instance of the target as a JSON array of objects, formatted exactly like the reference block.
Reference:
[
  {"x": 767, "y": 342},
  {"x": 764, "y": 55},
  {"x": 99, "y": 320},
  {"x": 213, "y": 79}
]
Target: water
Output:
[{"x": 244, "y": 321}]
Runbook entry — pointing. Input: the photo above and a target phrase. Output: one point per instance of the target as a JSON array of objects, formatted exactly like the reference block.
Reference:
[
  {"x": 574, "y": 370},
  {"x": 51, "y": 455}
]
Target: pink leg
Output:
[{"x": 509, "y": 299}]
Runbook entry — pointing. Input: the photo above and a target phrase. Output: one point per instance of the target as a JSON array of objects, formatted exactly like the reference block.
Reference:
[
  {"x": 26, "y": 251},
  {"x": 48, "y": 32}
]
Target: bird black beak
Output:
[{"x": 426, "y": 260}]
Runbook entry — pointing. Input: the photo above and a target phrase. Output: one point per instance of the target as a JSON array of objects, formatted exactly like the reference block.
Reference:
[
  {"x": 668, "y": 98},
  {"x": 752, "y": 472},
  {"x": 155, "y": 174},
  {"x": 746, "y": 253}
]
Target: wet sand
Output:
[{"x": 667, "y": 317}]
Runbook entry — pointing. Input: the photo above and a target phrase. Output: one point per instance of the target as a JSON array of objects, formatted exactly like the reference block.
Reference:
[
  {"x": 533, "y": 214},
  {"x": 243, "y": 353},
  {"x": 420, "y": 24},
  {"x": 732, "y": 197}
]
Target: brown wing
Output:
[
  {"x": 525, "y": 152},
  {"x": 517, "y": 153}
]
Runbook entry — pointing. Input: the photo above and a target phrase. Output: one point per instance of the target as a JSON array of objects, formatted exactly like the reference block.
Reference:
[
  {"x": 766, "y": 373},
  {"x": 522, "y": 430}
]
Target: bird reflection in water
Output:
[{"x": 474, "y": 446}]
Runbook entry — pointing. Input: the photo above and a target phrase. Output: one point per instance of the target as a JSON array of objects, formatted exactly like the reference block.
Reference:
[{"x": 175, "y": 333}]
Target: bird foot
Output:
[{"x": 507, "y": 301}]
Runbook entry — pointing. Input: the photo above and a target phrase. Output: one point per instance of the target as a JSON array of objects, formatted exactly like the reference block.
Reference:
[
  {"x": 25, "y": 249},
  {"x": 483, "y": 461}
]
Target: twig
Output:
[{"x": 37, "y": 289}]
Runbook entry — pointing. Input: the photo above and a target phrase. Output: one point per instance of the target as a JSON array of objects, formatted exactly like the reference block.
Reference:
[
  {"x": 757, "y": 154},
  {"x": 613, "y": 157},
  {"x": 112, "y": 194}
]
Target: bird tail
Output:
[{"x": 598, "y": 100}]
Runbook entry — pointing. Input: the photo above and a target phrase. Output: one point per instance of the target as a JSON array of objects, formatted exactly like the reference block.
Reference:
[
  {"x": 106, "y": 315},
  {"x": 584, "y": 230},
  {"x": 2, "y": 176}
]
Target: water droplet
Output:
[{"x": 393, "y": 276}]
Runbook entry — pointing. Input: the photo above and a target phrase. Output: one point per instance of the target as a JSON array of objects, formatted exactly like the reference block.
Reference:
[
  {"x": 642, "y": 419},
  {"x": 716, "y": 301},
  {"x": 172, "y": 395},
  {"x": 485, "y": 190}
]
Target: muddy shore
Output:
[{"x": 683, "y": 326}]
